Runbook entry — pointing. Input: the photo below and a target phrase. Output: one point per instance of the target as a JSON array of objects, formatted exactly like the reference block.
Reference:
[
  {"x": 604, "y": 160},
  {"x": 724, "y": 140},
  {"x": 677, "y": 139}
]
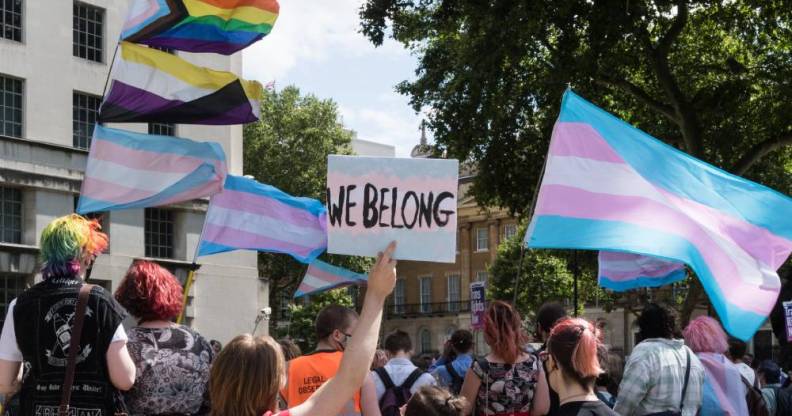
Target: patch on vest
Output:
[
  {"x": 42, "y": 410},
  {"x": 61, "y": 315}
]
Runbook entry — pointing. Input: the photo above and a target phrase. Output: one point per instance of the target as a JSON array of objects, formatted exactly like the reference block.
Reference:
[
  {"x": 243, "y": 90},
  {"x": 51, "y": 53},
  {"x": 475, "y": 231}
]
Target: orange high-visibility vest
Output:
[{"x": 308, "y": 372}]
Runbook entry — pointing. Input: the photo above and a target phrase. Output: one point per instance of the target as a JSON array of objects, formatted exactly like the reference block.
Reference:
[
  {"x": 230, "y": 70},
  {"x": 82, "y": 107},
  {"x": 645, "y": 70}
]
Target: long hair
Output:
[
  {"x": 434, "y": 401},
  {"x": 246, "y": 377},
  {"x": 67, "y": 241},
  {"x": 150, "y": 292},
  {"x": 575, "y": 345},
  {"x": 503, "y": 331}
]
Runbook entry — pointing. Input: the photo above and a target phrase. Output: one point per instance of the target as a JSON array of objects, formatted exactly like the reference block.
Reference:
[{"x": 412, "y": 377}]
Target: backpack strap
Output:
[
  {"x": 383, "y": 375},
  {"x": 412, "y": 378},
  {"x": 687, "y": 377},
  {"x": 74, "y": 344},
  {"x": 450, "y": 368}
]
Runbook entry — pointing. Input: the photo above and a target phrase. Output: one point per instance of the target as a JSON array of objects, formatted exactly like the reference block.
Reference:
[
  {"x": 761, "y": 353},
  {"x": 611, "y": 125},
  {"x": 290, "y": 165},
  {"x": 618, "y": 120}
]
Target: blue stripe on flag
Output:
[
  {"x": 163, "y": 10},
  {"x": 242, "y": 184},
  {"x": 207, "y": 248},
  {"x": 681, "y": 173},
  {"x": 641, "y": 281},
  {"x": 160, "y": 144},
  {"x": 550, "y": 231},
  {"x": 209, "y": 33}
]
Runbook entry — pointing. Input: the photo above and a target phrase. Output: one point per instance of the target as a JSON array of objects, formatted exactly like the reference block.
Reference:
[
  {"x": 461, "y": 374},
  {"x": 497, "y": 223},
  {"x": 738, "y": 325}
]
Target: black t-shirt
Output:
[
  {"x": 596, "y": 408},
  {"x": 43, "y": 317}
]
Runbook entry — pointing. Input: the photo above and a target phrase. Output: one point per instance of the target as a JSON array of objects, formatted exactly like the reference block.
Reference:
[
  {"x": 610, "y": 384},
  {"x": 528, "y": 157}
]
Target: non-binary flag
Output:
[
  {"x": 609, "y": 186},
  {"x": 250, "y": 215},
  {"x": 133, "y": 170},
  {"x": 624, "y": 271},
  {"x": 321, "y": 277},
  {"x": 219, "y": 26},
  {"x": 151, "y": 86}
]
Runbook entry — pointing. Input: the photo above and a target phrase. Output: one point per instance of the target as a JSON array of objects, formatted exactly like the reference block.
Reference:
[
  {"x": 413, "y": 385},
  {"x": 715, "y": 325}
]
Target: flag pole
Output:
[{"x": 194, "y": 267}]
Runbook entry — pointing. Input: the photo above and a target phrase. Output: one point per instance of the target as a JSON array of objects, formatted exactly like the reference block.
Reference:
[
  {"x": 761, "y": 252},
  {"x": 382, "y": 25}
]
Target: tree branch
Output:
[
  {"x": 759, "y": 151},
  {"x": 641, "y": 95},
  {"x": 664, "y": 46}
]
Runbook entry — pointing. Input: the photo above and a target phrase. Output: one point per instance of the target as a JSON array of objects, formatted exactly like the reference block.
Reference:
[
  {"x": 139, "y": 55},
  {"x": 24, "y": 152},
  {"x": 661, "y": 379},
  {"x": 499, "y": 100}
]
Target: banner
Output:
[
  {"x": 788, "y": 319},
  {"x": 478, "y": 305},
  {"x": 372, "y": 201}
]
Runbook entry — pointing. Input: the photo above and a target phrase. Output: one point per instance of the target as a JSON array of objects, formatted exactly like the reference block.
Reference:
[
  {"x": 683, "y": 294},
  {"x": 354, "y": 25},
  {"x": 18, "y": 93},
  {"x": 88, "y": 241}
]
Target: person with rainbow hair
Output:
[{"x": 37, "y": 329}]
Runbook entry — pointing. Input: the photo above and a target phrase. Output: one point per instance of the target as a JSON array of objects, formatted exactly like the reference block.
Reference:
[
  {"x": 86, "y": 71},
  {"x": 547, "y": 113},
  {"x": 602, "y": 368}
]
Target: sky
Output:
[{"x": 316, "y": 45}]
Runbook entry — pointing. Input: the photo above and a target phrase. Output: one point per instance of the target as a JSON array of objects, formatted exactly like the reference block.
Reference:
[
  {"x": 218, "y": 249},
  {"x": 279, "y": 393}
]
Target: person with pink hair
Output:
[
  {"x": 724, "y": 391},
  {"x": 574, "y": 348}
]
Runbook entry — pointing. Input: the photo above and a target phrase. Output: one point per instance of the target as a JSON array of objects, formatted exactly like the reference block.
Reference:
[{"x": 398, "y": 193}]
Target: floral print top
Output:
[
  {"x": 506, "y": 388},
  {"x": 172, "y": 371}
]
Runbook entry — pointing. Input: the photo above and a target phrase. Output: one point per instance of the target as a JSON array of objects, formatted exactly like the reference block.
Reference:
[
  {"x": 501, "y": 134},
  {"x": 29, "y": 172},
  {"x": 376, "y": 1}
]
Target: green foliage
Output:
[
  {"x": 288, "y": 149},
  {"x": 544, "y": 277},
  {"x": 301, "y": 326}
]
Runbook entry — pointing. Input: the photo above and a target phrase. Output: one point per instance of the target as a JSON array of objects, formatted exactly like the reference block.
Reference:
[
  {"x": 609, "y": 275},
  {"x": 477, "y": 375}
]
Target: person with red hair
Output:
[
  {"x": 173, "y": 361},
  {"x": 573, "y": 365},
  {"x": 509, "y": 380}
]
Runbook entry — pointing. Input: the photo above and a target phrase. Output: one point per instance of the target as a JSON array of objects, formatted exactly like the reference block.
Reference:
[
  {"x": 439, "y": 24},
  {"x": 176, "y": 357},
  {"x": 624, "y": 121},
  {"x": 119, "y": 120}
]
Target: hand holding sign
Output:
[{"x": 371, "y": 201}]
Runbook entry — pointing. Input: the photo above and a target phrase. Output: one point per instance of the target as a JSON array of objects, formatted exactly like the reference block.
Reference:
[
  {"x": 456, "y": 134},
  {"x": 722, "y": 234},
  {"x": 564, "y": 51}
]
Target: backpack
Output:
[
  {"x": 396, "y": 396},
  {"x": 755, "y": 400},
  {"x": 456, "y": 379}
]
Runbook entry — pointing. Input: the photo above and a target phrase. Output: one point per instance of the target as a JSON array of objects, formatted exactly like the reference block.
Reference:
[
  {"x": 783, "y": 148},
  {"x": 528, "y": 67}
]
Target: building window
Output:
[
  {"x": 11, "y": 19},
  {"x": 163, "y": 129},
  {"x": 10, "y": 215},
  {"x": 426, "y": 341},
  {"x": 426, "y": 294},
  {"x": 482, "y": 276},
  {"x": 509, "y": 231},
  {"x": 482, "y": 239},
  {"x": 398, "y": 297},
  {"x": 159, "y": 233},
  {"x": 85, "y": 111},
  {"x": 10, "y": 106},
  {"x": 453, "y": 283},
  {"x": 10, "y": 287},
  {"x": 88, "y": 32}
]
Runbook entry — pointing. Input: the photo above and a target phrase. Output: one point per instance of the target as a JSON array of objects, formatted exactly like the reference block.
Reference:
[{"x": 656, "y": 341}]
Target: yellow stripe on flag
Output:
[{"x": 254, "y": 15}]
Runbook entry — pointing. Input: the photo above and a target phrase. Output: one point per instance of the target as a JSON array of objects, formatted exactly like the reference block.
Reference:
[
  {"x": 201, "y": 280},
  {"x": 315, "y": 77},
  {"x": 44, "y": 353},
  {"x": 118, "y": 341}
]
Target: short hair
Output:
[
  {"x": 705, "y": 334},
  {"x": 246, "y": 376},
  {"x": 150, "y": 292},
  {"x": 290, "y": 349},
  {"x": 331, "y": 318},
  {"x": 66, "y": 241},
  {"x": 548, "y": 314},
  {"x": 657, "y": 321},
  {"x": 575, "y": 345},
  {"x": 737, "y": 348},
  {"x": 462, "y": 341},
  {"x": 434, "y": 401},
  {"x": 771, "y": 371},
  {"x": 396, "y": 341}
]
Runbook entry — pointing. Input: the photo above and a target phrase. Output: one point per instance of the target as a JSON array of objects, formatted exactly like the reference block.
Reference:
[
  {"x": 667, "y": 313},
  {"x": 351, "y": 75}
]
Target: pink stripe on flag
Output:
[
  {"x": 328, "y": 278},
  {"x": 233, "y": 237},
  {"x": 96, "y": 188},
  {"x": 150, "y": 11},
  {"x": 147, "y": 160},
  {"x": 555, "y": 200},
  {"x": 627, "y": 275},
  {"x": 268, "y": 207},
  {"x": 581, "y": 140}
]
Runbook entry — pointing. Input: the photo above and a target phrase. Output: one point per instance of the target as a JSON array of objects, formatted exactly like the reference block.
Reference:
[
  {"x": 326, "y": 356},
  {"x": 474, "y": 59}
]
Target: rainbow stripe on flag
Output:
[
  {"x": 133, "y": 170},
  {"x": 624, "y": 271},
  {"x": 321, "y": 277},
  {"x": 250, "y": 215},
  {"x": 609, "y": 186},
  {"x": 152, "y": 86},
  {"x": 219, "y": 26}
]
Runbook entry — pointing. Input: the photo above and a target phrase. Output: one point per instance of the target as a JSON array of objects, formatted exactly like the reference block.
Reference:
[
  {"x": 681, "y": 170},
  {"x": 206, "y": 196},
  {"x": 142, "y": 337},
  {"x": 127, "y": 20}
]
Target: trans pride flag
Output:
[
  {"x": 253, "y": 216},
  {"x": 609, "y": 186},
  {"x": 152, "y": 86},
  {"x": 321, "y": 277},
  {"x": 219, "y": 26},
  {"x": 624, "y": 271},
  {"x": 133, "y": 170}
]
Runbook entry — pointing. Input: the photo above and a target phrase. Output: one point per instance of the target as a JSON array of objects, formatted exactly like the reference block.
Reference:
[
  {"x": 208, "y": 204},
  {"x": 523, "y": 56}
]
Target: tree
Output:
[
  {"x": 713, "y": 78},
  {"x": 301, "y": 326},
  {"x": 288, "y": 149}
]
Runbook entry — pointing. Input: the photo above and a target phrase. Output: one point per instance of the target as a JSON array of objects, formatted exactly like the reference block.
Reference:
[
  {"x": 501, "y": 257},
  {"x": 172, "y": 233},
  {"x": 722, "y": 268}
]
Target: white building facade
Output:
[{"x": 54, "y": 61}]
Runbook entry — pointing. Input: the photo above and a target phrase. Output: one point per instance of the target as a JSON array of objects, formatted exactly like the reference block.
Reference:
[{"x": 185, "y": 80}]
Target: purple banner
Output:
[
  {"x": 788, "y": 316},
  {"x": 478, "y": 304}
]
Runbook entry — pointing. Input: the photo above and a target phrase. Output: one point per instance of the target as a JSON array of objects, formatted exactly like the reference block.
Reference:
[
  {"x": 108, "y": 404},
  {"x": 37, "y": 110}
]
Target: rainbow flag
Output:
[
  {"x": 609, "y": 186},
  {"x": 133, "y": 170},
  {"x": 321, "y": 277},
  {"x": 253, "y": 216},
  {"x": 624, "y": 271},
  {"x": 152, "y": 86},
  {"x": 219, "y": 26}
]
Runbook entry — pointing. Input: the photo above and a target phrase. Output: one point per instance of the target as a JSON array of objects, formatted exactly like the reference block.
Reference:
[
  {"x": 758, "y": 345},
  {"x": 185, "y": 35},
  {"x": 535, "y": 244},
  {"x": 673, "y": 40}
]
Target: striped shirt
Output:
[{"x": 654, "y": 377}]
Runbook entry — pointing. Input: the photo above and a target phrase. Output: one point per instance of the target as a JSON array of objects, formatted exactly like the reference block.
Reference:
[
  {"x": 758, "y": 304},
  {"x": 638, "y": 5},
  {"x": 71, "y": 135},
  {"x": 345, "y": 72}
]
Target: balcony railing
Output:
[{"x": 412, "y": 310}]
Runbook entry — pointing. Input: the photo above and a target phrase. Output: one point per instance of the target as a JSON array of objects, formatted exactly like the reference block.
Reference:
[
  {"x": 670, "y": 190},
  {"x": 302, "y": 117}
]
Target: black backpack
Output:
[
  {"x": 456, "y": 379},
  {"x": 395, "y": 396}
]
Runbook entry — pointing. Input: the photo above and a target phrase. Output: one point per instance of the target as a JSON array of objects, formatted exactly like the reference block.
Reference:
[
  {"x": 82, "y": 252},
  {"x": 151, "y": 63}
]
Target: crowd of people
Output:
[{"x": 159, "y": 367}]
